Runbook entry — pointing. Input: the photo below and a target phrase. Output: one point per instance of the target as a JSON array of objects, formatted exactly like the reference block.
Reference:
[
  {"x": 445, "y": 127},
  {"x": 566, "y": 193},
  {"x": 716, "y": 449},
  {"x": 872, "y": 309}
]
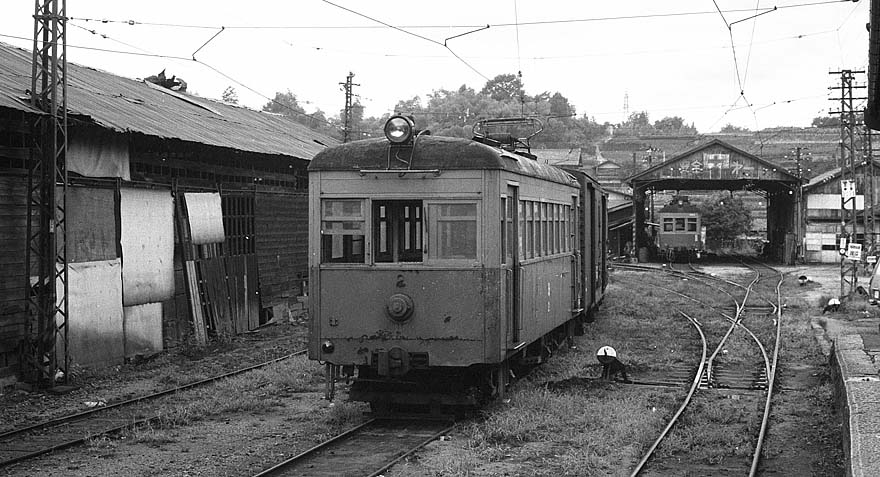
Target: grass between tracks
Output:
[
  {"x": 559, "y": 420},
  {"x": 258, "y": 392}
]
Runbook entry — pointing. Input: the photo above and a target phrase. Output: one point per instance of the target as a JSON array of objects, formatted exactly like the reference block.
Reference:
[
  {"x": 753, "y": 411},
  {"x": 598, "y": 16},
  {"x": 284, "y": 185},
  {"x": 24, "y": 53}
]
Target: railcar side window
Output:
[
  {"x": 523, "y": 236},
  {"x": 453, "y": 231},
  {"x": 530, "y": 230},
  {"x": 342, "y": 231},
  {"x": 545, "y": 230},
  {"x": 397, "y": 231},
  {"x": 540, "y": 229}
]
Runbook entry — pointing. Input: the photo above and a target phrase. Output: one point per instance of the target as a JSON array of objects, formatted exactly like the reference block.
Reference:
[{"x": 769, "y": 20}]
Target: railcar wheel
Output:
[
  {"x": 500, "y": 379},
  {"x": 331, "y": 375}
]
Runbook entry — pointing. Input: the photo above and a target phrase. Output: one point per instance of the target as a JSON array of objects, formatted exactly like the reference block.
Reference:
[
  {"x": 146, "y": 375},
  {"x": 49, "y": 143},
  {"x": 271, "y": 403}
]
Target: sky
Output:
[{"x": 711, "y": 62}]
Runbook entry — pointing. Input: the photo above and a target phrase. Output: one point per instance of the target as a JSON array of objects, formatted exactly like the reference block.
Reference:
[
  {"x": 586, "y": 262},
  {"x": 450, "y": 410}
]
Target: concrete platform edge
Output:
[{"x": 857, "y": 397}]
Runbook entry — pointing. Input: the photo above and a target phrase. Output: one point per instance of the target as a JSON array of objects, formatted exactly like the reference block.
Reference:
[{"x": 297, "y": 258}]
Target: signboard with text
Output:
[{"x": 854, "y": 251}]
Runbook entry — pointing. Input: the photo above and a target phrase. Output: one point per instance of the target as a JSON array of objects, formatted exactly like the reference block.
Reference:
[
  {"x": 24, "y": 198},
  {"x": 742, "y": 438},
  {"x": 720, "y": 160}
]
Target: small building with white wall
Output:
[{"x": 821, "y": 205}]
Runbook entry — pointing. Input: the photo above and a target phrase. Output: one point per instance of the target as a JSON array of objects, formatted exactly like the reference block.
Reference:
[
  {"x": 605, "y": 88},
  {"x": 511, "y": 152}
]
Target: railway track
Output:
[
  {"x": 716, "y": 373},
  {"x": 24, "y": 443},
  {"x": 366, "y": 450}
]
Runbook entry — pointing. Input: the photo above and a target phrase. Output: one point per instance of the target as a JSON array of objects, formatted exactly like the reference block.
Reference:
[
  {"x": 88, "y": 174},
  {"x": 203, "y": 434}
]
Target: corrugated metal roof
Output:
[
  {"x": 833, "y": 174},
  {"x": 822, "y": 178},
  {"x": 128, "y": 105}
]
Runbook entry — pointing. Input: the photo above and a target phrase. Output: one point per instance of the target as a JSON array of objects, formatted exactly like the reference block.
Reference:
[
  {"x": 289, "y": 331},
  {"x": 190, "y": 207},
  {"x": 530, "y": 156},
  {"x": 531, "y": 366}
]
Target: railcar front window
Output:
[
  {"x": 667, "y": 225},
  {"x": 397, "y": 231},
  {"x": 453, "y": 231},
  {"x": 692, "y": 224},
  {"x": 679, "y": 224},
  {"x": 342, "y": 231}
]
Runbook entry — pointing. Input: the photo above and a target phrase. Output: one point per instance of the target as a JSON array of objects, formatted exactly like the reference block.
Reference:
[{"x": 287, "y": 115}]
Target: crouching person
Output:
[{"x": 611, "y": 366}]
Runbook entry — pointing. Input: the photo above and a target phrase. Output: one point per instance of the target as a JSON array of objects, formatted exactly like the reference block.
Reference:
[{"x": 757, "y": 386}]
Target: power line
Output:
[
  {"x": 415, "y": 27},
  {"x": 193, "y": 60},
  {"x": 444, "y": 45},
  {"x": 516, "y": 18}
]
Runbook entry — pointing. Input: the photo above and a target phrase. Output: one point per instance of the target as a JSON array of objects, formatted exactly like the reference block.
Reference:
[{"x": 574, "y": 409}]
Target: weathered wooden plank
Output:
[
  {"x": 18, "y": 209},
  {"x": 195, "y": 302},
  {"x": 12, "y": 260},
  {"x": 12, "y": 310},
  {"x": 252, "y": 291},
  {"x": 238, "y": 291},
  {"x": 19, "y": 153},
  {"x": 281, "y": 230},
  {"x": 12, "y": 289},
  {"x": 91, "y": 218},
  {"x": 171, "y": 335},
  {"x": 12, "y": 236},
  {"x": 213, "y": 273}
]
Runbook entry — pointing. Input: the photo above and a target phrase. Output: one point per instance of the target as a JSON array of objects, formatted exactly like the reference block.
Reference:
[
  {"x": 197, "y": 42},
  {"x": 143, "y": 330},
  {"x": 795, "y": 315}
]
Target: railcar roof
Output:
[
  {"x": 433, "y": 152},
  {"x": 679, "y": 209}
]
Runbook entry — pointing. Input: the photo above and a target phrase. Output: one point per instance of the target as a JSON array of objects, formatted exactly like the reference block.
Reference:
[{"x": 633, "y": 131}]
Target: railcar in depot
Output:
[
  {"x": 681, "y": 235},
  {"x": 439, "y": 266}
]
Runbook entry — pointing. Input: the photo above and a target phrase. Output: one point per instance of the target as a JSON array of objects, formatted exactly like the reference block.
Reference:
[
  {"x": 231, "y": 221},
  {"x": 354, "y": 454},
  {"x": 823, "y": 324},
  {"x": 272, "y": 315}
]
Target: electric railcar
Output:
[
  {"x": 440, "y": 265},
  {"x": 681, "y": 234}
]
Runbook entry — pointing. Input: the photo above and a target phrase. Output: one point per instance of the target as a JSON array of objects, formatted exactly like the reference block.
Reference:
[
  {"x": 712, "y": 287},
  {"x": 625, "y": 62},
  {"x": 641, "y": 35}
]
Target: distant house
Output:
[
  {"x": 822, "y": 214},
  {"x": 610, "y": 174},
  {"x": 186, "y": 217},
  {"x": 620, "y": 217}
]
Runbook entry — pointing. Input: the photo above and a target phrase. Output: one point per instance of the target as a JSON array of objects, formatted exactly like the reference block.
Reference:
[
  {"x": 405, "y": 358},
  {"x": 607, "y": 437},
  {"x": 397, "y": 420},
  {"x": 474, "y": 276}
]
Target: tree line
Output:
[{"x": 453, "y": 113}]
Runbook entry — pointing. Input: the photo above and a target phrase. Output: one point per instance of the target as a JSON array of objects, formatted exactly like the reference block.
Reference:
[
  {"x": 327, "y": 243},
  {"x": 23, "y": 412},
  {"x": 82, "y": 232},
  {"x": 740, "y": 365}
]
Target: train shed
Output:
[
  {"x": 185, "y": 217},
  {"x": 717, "y": 165}
]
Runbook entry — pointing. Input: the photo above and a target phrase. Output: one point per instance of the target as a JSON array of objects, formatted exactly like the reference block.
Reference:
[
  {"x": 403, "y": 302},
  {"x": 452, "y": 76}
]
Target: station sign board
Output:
[{"x": 854, "y": 251}]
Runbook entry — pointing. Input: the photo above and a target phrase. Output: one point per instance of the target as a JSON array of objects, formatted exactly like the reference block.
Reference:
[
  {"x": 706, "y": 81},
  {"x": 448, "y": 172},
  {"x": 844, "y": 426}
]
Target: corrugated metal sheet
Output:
[{"x": 128, "y": 105}]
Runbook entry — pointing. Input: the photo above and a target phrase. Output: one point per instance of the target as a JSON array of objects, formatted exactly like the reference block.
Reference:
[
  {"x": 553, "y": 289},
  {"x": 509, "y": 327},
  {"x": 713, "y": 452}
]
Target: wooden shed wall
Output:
[
  {"x": 13, "y": 243},
  {"x": 282, "y": 245}
]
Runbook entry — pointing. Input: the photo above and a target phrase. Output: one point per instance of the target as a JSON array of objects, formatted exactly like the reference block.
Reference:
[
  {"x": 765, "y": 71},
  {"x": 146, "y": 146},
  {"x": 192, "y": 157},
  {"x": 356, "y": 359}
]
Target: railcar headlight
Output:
[
  {"x": 399, "y": 129},
  {"x": 327, "y": 347}
]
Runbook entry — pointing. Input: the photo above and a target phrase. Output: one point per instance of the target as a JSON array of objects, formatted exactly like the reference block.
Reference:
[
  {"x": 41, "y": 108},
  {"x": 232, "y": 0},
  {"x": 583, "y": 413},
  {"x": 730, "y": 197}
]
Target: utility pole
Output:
[
  {"x": 348, "y": 88},
  {"x": 847, "y": 163},
  {"x": 46, "y": 303},
  {"x": 868, "y": 181},
  {"x": 799, "y": 218}
]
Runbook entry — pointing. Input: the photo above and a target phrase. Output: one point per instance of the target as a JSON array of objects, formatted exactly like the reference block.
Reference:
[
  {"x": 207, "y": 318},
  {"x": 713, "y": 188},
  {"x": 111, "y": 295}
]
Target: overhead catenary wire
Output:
[
  {"x": 414, "y": 27},
  {"x": 728, "y": 14},
  {"x": 191, "y": 60},
  {"x": 444, "y": 45},
  {"x": 603, "y": 52}
]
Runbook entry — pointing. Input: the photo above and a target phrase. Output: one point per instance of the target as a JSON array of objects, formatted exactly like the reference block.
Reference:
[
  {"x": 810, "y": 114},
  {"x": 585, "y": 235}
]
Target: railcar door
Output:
[
  {"x": 510, "y": 259},
  {"x": 577, "y": 280}
]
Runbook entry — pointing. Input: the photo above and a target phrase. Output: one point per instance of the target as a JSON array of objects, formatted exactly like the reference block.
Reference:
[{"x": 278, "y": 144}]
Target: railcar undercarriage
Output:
[{"x": 430, "y": 389}]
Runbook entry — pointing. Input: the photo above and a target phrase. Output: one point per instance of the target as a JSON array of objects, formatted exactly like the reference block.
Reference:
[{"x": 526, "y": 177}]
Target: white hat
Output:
[{"x": 606, "y": 351}]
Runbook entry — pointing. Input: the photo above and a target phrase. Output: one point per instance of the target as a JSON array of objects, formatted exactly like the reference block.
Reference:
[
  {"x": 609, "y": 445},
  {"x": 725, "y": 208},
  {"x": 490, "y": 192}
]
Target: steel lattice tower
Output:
[
  {"x": 348, "y": 87},
  {"x": 868, "y": 181},
  {"x": 46, "y": 253},
  {"x": 848, "y": 164}
]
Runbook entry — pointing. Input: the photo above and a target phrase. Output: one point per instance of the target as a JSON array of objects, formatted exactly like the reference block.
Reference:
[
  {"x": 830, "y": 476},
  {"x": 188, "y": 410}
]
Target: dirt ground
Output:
[{"x": 236, "y": 443}]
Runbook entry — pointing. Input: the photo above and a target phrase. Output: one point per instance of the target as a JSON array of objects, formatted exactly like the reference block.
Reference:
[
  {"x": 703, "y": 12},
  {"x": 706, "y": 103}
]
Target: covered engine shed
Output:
[{"x": 717, "y": 165}]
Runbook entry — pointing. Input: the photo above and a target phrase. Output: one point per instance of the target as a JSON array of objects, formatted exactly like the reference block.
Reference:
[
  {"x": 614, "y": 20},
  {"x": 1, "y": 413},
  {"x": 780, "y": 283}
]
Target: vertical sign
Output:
[{"x": 847, "y": 189}]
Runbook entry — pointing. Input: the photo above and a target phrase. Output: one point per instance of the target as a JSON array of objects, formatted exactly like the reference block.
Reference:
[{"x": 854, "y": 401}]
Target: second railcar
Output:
[
  {"x": 681, "y": 234},
  {"x": 437, "y": 264}
]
